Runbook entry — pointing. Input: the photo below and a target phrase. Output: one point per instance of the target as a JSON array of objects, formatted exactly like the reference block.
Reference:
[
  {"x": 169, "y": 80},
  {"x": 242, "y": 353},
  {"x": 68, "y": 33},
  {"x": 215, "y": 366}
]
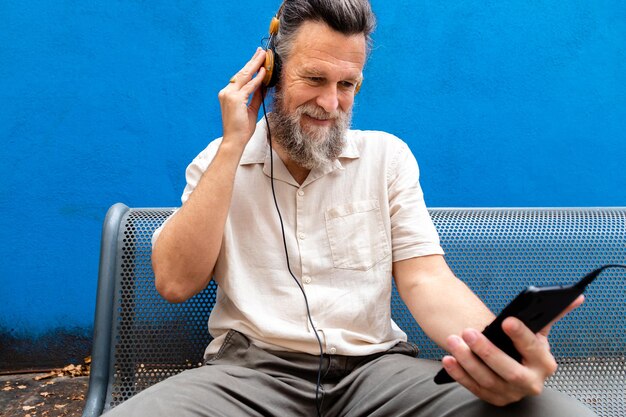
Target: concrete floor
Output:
[{"x": 21, "y": 395}]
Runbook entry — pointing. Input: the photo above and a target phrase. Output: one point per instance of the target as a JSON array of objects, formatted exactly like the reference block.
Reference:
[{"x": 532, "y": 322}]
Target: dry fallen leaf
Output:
[
  {"x": 46, "y": 394},
  {"x": 8, "y": 388},
  {"x": 69, "y": 370},
  {"x": 46, "y": 376},
  {"x": 59, "y": 406},
  {"x": 21, "y": 386},
  {"x": 28, "y": 407}
]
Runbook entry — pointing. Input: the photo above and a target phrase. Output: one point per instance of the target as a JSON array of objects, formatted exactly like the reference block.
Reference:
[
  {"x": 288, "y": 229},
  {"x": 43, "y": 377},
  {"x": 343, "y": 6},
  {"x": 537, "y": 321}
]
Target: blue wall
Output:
[{"x": 508, "y": 103}]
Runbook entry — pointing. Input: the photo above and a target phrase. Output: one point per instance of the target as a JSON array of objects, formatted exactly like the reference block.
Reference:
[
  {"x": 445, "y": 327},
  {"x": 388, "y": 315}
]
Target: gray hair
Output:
[{"x": 349, "y": 17}]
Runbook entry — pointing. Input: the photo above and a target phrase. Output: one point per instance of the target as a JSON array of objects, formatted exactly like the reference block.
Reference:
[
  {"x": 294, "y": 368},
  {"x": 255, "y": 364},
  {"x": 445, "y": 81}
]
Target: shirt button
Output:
[
  {"x": 307, "y": 280},
  {"x": 301, "y": 236},
  {"x": 300, "y": 192},
  {"x": 332, "y": 350}
]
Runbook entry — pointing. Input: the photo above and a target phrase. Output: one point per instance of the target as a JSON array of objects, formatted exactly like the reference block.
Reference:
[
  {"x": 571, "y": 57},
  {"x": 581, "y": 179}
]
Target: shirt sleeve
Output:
[
  {"x": 413, "y": 233},
  {"x": 193, "y": 173}
]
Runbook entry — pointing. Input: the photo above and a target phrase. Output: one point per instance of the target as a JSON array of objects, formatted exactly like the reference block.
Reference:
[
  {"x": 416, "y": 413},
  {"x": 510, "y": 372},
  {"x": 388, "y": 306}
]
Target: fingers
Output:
[
  {"x": 487, "y": 364},
  {"x": 242, "y": 79},
  {"x": 473, "y": 370},
  {"x": 476, "y": 374},
  {"x": 496, "y": 397},
  {"x": 244, "y": 83},
  {"x": 456, "y": 371},
  {"x": 254, "y": 84},
  {"x": 239, "y": 111},
  {"x": 534, "y": 348},
  {"x": 257, "y": 98}
]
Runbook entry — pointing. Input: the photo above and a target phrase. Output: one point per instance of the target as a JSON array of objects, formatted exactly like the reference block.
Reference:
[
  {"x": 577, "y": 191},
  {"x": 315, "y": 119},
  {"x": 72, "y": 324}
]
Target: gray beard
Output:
[{"x": 308, "y": 149}]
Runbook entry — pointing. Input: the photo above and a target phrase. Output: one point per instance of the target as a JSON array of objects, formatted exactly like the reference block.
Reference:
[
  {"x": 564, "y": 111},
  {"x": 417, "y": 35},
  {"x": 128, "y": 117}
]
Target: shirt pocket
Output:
[{"x": 356, "y": 235}]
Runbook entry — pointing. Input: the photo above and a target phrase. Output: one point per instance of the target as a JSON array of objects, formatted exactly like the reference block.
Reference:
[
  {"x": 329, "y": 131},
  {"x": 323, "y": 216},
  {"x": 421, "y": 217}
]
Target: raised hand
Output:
[{"x": 239, "y": 112}]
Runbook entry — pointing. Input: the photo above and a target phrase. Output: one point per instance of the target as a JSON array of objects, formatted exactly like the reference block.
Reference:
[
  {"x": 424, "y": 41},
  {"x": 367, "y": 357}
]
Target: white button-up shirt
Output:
[{"x": 344, "y": 227}]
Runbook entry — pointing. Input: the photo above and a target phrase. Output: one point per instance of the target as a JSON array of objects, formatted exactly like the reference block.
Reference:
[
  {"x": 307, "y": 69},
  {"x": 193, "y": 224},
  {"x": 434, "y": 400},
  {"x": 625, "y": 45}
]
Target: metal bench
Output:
[{"x": 140, "y": 339}]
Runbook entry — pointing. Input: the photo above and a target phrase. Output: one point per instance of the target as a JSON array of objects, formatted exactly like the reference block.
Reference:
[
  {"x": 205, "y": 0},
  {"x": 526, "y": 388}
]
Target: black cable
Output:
[
  {"x": 587, "y": 279},
  {"x": 282, "y": 228}
]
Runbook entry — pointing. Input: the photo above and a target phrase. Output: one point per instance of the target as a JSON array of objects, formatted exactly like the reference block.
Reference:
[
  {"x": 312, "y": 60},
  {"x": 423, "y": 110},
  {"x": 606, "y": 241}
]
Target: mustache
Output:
[{"x": 318, "y": 112}]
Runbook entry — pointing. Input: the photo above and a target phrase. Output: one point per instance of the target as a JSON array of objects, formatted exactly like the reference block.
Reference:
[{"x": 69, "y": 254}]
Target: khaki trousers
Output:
[{"x": 243, "y": 380}]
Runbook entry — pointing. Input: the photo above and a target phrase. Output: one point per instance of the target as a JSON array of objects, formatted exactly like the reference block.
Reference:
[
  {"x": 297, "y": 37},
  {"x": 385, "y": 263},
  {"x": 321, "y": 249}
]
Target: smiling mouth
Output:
[{"x": 321, "y": 122}]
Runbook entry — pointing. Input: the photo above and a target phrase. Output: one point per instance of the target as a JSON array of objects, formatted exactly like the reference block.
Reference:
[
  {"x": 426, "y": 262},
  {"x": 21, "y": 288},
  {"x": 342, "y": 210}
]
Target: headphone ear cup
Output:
[{"x": 273, "y": 66}]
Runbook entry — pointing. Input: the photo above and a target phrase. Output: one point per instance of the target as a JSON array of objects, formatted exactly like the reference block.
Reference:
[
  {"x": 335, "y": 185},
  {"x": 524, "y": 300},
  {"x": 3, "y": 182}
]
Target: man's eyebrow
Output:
[{"x": 312, "y": 72}]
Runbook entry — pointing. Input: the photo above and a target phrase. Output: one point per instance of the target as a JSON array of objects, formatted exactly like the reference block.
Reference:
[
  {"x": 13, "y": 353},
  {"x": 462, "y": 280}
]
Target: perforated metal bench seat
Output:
[{"x": 140, "y": 339}]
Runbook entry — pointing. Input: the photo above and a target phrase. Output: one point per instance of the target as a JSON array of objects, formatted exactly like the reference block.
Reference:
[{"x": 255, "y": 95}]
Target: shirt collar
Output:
[{"x": 257, "y": 148}]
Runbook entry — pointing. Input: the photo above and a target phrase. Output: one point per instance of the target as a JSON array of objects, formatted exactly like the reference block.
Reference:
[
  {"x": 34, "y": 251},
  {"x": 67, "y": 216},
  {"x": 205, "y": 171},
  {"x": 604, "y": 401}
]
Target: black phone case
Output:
[{"x": 535, "y": 307}]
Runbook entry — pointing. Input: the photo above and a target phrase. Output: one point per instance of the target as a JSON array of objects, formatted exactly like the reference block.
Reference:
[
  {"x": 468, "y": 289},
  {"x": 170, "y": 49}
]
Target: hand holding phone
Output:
[{"x": 536, "y": 307}]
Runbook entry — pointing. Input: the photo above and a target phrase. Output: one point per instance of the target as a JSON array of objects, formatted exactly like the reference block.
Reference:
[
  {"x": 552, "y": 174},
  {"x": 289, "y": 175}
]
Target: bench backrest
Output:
[{"x": 140, "y": 339}]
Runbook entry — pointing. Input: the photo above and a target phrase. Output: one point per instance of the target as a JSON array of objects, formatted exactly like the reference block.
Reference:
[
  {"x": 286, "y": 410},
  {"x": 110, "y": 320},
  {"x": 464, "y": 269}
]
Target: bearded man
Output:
[{"x": 302, "y": 323}]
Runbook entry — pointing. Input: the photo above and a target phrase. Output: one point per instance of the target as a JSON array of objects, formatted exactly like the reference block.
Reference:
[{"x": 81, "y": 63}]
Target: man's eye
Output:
[
  {"x": 316, "y": 80},
  {"x": 347, "y": 84}
]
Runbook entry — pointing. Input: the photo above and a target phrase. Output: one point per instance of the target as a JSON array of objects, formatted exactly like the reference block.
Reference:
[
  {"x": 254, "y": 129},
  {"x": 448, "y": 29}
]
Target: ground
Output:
[{"x": 42, "y": 395}]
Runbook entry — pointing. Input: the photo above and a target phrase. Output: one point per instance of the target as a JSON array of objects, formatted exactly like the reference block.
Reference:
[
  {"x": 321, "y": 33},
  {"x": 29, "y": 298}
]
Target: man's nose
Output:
[{"x": 328, "y": 99}]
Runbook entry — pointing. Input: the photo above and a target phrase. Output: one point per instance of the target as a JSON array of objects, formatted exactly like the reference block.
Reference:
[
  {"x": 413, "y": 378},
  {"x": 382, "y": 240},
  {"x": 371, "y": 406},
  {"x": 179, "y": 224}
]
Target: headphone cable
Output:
[{"x": 318, "y": 401}]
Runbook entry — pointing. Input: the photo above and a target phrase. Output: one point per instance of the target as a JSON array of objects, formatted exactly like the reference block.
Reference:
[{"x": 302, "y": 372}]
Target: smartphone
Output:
[{"x": 535, "y": 307}]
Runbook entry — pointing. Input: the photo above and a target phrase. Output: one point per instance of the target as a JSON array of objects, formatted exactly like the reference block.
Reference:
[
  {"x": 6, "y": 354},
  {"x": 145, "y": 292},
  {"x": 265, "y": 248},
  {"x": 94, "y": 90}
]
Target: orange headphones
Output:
[{"x": 273, "y": 63}]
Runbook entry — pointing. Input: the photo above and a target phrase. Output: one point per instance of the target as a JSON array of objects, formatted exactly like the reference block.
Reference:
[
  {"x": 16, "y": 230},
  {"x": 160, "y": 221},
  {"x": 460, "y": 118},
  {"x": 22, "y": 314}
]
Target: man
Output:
[{"x": 354, "y": 219}]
